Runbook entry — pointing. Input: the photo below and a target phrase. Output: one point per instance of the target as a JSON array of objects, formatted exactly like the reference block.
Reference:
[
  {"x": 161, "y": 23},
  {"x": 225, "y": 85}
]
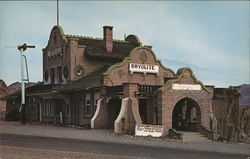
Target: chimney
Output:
[{"x": 108, "y": 38}]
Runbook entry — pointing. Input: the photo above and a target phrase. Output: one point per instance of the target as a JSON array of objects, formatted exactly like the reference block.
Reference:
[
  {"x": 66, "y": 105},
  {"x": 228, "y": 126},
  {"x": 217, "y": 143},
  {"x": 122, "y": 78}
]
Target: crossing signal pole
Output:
[
  {"x": 57, "y": 12},
  {"x": 22, "y": 109}
]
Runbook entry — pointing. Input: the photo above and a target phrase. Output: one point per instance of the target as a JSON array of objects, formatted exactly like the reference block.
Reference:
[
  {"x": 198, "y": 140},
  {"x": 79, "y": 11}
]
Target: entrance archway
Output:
[{"x": 186, "y": 115}]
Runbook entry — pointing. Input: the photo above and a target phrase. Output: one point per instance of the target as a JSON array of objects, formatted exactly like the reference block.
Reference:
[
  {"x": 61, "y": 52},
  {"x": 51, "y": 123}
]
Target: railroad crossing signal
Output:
[{"x": 22, "y": 48}]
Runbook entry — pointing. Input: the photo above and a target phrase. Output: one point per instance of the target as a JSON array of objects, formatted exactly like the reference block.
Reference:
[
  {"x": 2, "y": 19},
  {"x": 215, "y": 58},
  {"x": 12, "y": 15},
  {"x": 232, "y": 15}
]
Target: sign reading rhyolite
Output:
[
  {"x": 144, "y": 68},
  {"x": 148, "y": 130},
  {"x": 186, "y": 86}
]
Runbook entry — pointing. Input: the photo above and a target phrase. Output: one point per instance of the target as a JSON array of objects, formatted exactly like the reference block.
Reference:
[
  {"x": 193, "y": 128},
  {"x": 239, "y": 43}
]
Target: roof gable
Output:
[
  {"x": 56, "y": 38},
  {"x": 181, "y": 77}
]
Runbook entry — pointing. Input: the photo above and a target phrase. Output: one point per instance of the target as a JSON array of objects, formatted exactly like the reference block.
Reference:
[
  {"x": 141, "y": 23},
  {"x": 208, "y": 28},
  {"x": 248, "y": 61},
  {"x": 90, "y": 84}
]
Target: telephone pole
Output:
[
  {"x": 22, "y": 48},
  {"x": 57, "y": 15}
]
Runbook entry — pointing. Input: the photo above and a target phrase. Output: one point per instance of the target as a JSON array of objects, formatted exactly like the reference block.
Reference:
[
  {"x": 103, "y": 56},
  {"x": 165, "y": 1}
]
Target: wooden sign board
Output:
[{"x": 149, "y": 130}]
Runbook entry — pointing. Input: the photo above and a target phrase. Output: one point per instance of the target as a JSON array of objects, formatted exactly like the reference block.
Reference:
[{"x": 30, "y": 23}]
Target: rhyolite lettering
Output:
[{"x": 145, "y": 68}]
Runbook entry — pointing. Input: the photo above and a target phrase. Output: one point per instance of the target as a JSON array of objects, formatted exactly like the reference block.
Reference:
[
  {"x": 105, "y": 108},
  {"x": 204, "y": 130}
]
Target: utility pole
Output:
[
  {"x": 22, "y": 48},
  {"x": 57, "y": 15}
]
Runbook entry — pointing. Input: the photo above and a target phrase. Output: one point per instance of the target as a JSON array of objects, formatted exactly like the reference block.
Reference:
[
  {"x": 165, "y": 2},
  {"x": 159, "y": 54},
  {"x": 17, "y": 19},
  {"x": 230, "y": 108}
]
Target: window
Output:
[
  {"x": 34, "y": 105},
  {"x": 51, "y": 107},
  {"x": 47, "y": 108},
  {"x": 46, "y": 76},
  {"x": 59, "y": 74},
  {"x": 67, "y": 110},
  {"x": 29, "y": 105},
  {"x": 65, "y": 71},
  {"x": 87, "y": 105},
  {"x": 55, "y": 38},
  {"x": 88, "y": 102},
  {"x": 52, "y": 75},
  {"x": 79, "y": 72},
  {"x": 43, "y": 109},
  {"x": 13, "y": 105}
]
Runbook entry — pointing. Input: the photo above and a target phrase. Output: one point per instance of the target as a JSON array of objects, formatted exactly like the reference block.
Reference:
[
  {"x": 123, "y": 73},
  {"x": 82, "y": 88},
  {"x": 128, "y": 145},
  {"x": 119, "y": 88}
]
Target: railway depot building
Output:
[{"x": 116, "y": 84}]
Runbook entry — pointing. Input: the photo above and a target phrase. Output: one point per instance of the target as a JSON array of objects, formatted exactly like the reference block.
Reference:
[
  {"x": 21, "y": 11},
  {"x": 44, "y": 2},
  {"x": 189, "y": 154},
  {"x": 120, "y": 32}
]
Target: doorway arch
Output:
[{"x": 186, "y": 115}]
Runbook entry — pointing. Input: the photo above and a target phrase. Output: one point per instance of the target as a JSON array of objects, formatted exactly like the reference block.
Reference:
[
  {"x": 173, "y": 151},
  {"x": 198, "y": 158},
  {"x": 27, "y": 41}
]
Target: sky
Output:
[{"x": 211, "y": 37}]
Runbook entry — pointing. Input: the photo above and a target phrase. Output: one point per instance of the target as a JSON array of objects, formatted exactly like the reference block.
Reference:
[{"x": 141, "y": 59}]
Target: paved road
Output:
[
  {"x": 101, "y": 135},
  {"x": 112, "y": 150}
]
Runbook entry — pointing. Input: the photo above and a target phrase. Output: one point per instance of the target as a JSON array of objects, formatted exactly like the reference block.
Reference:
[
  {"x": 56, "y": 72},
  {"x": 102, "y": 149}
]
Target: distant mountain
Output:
[{"x": 245, "y": 95}]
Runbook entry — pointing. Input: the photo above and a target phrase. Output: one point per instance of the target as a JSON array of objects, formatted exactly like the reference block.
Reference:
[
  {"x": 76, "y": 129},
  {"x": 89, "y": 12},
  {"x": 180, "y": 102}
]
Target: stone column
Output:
[
  {"x": 129, "y": 115},
  {"x": 100, "y": 119}
]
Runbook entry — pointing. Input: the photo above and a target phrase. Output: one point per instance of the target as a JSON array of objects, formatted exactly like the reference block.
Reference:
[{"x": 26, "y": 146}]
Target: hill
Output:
[{"x": 245, "y": 95}]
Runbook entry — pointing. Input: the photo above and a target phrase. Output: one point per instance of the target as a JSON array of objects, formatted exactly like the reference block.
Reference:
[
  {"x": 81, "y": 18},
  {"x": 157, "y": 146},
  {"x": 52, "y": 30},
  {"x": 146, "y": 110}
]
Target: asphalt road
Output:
[{"x": 104, "y": 148}]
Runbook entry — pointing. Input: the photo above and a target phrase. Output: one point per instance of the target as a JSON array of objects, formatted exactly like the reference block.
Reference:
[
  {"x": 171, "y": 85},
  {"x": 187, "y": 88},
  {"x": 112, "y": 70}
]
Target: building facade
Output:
[{"x": 116, "y": 84}]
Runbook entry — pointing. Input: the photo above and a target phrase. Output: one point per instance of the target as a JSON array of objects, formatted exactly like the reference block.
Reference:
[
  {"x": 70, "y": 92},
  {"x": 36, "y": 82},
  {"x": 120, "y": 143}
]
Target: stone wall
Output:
[
  {"x": 2, "y": 109},
  {"x": 247, "y": 125},
  {"x": 169, "y": 97},
  {"x": 227, "y": 112}
]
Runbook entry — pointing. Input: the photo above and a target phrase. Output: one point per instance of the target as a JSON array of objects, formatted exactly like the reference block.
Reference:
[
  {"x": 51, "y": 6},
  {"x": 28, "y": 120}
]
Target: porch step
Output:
[{"x": 193, "y": 136}]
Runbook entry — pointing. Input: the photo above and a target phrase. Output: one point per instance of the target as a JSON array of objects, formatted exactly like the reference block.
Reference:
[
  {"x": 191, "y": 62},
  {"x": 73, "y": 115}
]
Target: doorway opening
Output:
[
  {"x": 114, "y": 107},
  {"x": 186, "y": 115},
  {"x": 143, "y": 110},
  {"x": 59, "y": 111}
]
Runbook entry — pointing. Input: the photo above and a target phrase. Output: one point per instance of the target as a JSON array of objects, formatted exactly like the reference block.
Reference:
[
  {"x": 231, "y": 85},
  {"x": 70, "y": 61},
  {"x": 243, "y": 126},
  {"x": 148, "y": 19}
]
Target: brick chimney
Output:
[{"x": 108, "y": 38}]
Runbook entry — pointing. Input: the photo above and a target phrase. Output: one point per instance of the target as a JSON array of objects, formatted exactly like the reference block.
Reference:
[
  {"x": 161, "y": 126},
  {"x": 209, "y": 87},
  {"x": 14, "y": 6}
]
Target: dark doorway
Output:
[
  {"x": 38, "y": 111},
  {"x": 143, "y": 110},
  {"x": 59, "y": 111},
  {"x": 186, "y": 115},
  {"x": 114, "y": 107},
  {"x": 76, "y": 114}
]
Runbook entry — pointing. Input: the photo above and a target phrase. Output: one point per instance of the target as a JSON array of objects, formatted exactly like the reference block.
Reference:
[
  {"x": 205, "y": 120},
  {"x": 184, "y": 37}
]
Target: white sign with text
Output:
[
  {"x": 149, "y": 130},
  {"x": 144, "y": 68},
  {"x": 176, "y": 86}
]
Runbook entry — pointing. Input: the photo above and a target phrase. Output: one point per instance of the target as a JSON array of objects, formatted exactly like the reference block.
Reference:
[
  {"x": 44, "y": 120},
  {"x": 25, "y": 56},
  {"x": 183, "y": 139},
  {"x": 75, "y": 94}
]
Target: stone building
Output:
[
  {"x": 3, "y": 92},
  {"x": 116, "y": 84}
]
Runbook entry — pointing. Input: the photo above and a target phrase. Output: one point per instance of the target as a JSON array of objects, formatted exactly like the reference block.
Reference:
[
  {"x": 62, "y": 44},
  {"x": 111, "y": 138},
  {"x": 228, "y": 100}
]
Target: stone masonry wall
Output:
[
  {"x": 142, "y": 55},
  {"x": 169, "y": 98}
]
